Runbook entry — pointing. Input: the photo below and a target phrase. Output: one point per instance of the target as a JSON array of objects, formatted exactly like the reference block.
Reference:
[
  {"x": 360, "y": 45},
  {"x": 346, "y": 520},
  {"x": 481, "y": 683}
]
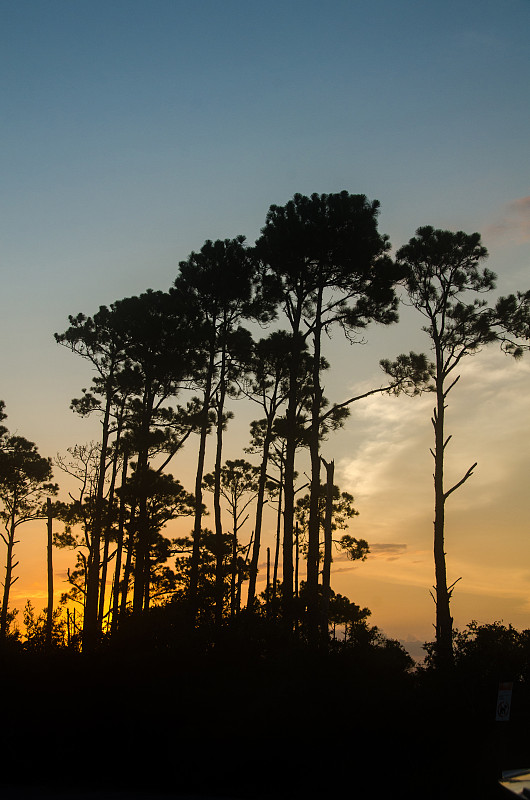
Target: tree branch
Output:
[
  {"x": 450, "y": 588},
  {"x": 353, "y": 399},
  {"x": 451, "y": 386},
  {"x": 468, "y": 474}
]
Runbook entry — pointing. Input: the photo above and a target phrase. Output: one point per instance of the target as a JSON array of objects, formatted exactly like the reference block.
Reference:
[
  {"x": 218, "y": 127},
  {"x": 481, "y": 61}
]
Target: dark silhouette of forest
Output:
[{"x": 208, "y": 664}]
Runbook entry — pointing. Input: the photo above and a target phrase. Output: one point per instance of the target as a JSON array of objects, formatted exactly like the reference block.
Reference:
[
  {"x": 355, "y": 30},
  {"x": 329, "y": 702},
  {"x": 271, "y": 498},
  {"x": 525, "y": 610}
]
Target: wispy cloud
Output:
[
  {"x": 392, "y": 465},
  {"x": 513, "y": 221},
  {"x": 389, "y": 551}
]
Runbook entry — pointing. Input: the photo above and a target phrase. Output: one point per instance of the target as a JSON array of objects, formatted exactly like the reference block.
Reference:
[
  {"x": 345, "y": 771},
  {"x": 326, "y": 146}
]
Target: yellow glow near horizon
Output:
[{"x": 389, "y": 474}]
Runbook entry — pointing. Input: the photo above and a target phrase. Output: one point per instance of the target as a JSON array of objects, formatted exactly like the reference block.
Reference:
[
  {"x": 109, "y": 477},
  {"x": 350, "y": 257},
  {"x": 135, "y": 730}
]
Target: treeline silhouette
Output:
[
  {"x": 146, "y": 617},
  {"x": 262, "y": 715}
]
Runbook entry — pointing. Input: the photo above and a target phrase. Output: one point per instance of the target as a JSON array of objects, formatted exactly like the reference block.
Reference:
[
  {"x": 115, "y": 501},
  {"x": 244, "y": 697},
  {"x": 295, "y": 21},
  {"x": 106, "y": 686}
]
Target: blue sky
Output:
[{"x": 133, "y": 131}]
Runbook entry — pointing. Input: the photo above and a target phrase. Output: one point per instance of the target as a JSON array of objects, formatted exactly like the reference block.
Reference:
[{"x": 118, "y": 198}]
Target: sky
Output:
[{"x": 132, "y": 131}]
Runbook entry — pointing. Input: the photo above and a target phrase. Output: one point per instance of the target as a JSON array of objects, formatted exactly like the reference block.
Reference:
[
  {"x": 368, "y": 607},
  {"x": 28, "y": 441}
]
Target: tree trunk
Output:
[
  {"x": 9, "y": 577},
  {"x": 128, "y": 562},
  {"x": 219, "y": 567},
  {"x": 119, "y": 548},
  {"x": 49, "y": 610},
  {"x": 260, "y": 502},
  {"x": 314, "y": 496},
  {"x": 268, "y": 589},
  {"x": 147, "y": 587},
  {"x": 326, "y": 569},
  {"x": 142, "y": 536},
  {"x": 444, "y": 621},
  {"x": 108, "y": 529},
  {"x": 234, "y": 571},
  {"x": 197, "y": 525},
  {"x": 278, "y": 533},
  {"x": 288, "y": 520},
  {"x": 296, "y": 576},
  {"x": 289, "y": 470},
  {"x": 296, "y": 560},
  {"x": 90, "y": 619}
]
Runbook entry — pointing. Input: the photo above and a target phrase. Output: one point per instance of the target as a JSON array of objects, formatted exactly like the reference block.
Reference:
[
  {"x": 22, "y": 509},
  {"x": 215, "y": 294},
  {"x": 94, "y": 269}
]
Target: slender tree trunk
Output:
[
  {"x": 326, "y": 569},
  {"x": 296, "y": 560},
  {"x": 49, "y": 610},
  {"x": 9, "y": 576},
  {"x": 233, "y": 576},
  {"x": 289, "y": 470},
  {"x": 142, "y": 535},
  {"x": 197, "y": 525},
  {"x": 278, "y": 535},
  {"x": 119, "y": 548},
  {"x": 297, "y": 576},
  {"x": 108, "y": 529},
  {"x": 90, "y": 619},
  {"x": 444, "y": 621},
  {"x": 128, "y": 562},
  {"x": 268, "y": 590},
  {"x": 219, "y": 566},
  {"x": 238, "y": 593},
  {"x": 314, "y": 496},
  {"x": 288, "y": 521},
  {"x": 147, "y": 587},
  {"x": 260, "y": 502}
]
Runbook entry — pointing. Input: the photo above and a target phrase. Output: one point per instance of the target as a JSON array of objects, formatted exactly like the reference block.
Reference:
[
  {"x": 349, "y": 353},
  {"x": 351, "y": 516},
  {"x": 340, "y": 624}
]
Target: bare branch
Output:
[
  {"x": 468, "y": 474},
  {"x": 451, "y": 386},
  {"x": 239, "y": 525},
  {"x": 353, "y": 400}
]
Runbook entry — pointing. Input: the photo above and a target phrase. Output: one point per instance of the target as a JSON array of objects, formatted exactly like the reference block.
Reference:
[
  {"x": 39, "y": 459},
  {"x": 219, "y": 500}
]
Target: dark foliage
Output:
[{"x": 373, "y": 714}]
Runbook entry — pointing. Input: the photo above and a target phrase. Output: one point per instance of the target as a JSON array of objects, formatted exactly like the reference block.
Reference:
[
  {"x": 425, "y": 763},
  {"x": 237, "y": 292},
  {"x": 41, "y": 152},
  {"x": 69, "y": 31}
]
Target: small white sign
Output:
[{"x": 504, "y": 701}]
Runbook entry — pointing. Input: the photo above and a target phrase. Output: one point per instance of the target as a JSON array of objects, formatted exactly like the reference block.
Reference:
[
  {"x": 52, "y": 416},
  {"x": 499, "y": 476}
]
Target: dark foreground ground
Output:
[{"x": 238, "y": 723}]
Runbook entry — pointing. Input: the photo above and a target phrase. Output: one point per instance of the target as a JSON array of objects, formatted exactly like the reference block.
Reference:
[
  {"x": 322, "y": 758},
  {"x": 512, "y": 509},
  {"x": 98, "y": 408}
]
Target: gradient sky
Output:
[{"x": 132, "y": 131}]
